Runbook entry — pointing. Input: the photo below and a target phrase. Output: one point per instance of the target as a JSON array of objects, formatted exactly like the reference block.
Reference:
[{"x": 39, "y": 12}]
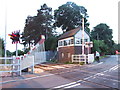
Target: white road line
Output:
[
  {"x": 75, "y": 83},
  {"x": 65, "y": 85},
  {"x": 99, "y": 63},
  {"x": 111, "y": 79},
  {"x": 113, "y": 68},
  {"x": 26, "y": 78},
  {"x": 78, "y": 84}
]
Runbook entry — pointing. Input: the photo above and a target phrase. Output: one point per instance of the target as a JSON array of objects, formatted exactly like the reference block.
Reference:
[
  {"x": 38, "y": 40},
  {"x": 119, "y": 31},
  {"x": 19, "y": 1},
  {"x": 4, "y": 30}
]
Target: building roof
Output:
[{"x": 69, "y": 33}]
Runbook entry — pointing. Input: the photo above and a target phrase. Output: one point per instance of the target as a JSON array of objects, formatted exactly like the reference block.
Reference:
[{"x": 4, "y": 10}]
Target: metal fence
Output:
[{"x": 51, "y": 55}]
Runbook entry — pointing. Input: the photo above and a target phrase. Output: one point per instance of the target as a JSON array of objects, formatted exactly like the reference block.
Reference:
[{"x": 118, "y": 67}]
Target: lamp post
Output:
[{"x": 5, "y": 32}]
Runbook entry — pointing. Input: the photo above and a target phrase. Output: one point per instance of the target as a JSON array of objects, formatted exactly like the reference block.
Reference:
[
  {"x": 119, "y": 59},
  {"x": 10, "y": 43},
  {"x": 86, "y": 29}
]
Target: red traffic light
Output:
[
  {"x": 116, "y": 51},
  {"x": 15, "y": 36}
]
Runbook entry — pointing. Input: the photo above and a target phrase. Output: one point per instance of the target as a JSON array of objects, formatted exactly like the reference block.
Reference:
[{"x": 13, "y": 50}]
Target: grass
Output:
[
  {"x": 81, "y": 63},
  {"x": 101, "y": 57},
  {"x": 53, "y": 61}
]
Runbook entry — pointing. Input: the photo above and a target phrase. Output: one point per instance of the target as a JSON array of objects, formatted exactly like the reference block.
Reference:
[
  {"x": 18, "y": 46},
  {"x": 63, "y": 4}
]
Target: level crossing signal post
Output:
[{"x": 15, "y": 37}]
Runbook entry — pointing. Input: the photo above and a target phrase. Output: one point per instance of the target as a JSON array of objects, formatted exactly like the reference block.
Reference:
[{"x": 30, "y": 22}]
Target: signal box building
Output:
[{"x": 70, "y": 43}]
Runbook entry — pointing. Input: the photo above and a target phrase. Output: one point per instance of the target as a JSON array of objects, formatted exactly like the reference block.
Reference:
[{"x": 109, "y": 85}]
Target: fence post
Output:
[
  {"x": 20, "y": 66},
  {"x": 85, "y": 59},
  {"x": 33, "y": 64},
  {"x": 13, "y": 65},
  {"x": 72, "y": 58},
  {"x": 79, "y": 58}
]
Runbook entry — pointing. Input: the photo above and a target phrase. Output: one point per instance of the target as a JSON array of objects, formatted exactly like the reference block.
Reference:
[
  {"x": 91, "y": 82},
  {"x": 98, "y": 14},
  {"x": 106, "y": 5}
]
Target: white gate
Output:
[
  {"x": 83, "y": 58},
  {"x": 80, "y": 58}
]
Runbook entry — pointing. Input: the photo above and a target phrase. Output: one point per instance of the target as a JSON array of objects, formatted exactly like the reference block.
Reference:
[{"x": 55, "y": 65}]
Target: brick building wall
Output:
[
  {"x": 65, "y": 53},
  {"x": 78, "y": 50}
]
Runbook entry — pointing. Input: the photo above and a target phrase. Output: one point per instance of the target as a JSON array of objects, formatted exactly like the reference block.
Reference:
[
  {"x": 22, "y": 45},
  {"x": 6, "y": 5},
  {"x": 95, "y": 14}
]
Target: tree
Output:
[
  {"x": 69, "y": 16},
  {"x": 103, "y": 32},
  {"x": 19, "y": 53},
  {"x": 51, "y": 43},
  {"x": 100, "y": 46},
  {"x": 119, "y": 47},
  {"x": 9, "y": 54},
  {"x": 38, "y": 25},
  {"x": 2, "y": 48}
]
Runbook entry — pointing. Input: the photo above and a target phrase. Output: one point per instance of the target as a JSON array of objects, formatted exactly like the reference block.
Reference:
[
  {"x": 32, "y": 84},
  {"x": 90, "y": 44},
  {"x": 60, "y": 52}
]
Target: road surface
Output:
[{"x": 97, "y": 75}]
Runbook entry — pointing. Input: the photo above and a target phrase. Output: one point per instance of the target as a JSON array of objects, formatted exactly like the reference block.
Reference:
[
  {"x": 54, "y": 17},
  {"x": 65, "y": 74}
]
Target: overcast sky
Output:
[{"x": 99, "y": 11}]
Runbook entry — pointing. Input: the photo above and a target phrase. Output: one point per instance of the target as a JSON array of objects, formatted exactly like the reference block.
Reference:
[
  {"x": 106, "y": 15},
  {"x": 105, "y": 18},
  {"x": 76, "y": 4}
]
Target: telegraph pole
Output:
[{"x": 83, "y": 36}]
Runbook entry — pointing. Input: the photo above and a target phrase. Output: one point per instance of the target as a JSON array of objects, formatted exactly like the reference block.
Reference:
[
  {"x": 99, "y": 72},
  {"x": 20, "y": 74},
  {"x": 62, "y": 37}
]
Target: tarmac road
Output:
[{"x": 96, "y": 75}]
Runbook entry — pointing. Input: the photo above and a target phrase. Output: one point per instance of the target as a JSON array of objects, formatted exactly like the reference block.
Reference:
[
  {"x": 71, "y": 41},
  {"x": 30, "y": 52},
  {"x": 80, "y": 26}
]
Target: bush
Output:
[
  {"x": 82, "y": 63},
  {"x": 68, "y": 63},
  {"x": 53, "y": 61}
]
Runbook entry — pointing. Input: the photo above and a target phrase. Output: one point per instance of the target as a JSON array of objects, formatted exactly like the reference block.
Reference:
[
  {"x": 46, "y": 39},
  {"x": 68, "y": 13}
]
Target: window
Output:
[
  {"x": 65, "y": 43},
  {"x": 69, "y": 42},
  {"x": 85, "y": 40},
  {"x": 62, "y": 55},
  {"x": 60, "y": 43},
  {"x": 81, "y": 41},
  {"x": 77, "y": 42},
  {"x": 72, "y": 41},
  {"x": 68, "y": 55}
]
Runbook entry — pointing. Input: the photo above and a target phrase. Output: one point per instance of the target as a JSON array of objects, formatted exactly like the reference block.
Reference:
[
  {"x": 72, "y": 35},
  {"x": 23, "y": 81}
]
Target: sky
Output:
[{"x": 14, "y": 12}]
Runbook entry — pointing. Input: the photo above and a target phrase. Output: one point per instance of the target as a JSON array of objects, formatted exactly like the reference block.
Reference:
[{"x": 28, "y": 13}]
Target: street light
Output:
[{"x": 5, "y": 31}]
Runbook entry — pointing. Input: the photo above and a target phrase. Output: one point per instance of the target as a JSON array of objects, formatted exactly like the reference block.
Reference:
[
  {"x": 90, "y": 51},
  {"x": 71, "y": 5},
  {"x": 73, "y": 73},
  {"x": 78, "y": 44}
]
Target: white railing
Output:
[
  {"x": 36, "y": 55},
  {"x": 12, "y": 65},
  {"x": 16, "y": 64},
  {"x": 27, "y": 62},
  {"x": 80, "y": 58}
]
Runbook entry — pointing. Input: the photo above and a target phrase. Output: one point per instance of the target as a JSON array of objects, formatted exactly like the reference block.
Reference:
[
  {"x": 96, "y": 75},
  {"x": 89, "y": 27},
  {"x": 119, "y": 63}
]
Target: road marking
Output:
[
  {"x": 77, "y": 83},
  {"x": 111, "y": 79},
  {"x": 61, "y": 86},
  {"x": 26, "y": 78},
  {"x": 114, "y": 68},
  {"x": 99, "y": 63},
  {"x": 55, "y": 74}
]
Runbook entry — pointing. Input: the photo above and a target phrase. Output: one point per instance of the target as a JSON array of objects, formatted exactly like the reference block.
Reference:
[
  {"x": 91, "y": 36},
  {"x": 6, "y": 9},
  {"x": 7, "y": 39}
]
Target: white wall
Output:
[
  {"x": 78, "y": 37},
  {"x": 66, "y": 39}
]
